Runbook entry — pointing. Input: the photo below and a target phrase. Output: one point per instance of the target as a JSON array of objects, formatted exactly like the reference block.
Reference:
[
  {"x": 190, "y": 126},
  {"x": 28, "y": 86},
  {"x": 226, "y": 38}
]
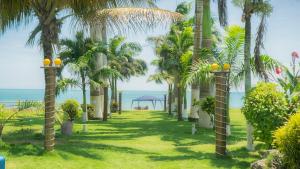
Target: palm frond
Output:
[
  {"x": 134, "y": 19},
  {"x": 64, "y": 84}
]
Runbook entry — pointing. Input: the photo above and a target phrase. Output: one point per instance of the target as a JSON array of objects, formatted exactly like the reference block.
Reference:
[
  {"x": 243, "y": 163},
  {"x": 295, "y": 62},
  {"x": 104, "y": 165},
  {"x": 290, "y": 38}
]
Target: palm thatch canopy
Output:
[{"x": 136, "y": 19}]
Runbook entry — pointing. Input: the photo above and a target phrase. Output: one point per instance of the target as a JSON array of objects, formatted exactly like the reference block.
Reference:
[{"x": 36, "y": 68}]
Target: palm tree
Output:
[
  {"x": 207, "y": 43},
  {"x": 77, "y": 54},
  {"x": 263, "y": 8},
  {"x": 120, "y": 55},
  {"x": 174, "y": 55},
  {"x": 82, "y": 67}
]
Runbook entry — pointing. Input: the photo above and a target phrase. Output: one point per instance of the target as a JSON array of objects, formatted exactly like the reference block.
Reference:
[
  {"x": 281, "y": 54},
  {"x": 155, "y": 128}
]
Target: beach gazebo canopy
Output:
[{"x": 151, "y": 99}]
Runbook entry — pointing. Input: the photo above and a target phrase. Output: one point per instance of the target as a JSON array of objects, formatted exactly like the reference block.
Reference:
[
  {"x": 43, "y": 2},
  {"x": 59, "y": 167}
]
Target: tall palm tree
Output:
[
  {"x": 207, "y": 43},
  {"x": 174, "y": 56},
  {"x": 120, "y": 55},
  {"x": 14, "y": 12},
  {"x": 263, "y": 8}
]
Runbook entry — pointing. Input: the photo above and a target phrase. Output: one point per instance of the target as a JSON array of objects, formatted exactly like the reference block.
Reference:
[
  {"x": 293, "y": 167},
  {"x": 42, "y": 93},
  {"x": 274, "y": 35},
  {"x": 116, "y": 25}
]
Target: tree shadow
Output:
[{"x": 233, "y": 159}]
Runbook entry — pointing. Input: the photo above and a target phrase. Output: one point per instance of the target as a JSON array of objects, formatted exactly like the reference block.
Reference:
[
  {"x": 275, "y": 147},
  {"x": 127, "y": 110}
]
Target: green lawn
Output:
[{"x": 133, "y": 140}]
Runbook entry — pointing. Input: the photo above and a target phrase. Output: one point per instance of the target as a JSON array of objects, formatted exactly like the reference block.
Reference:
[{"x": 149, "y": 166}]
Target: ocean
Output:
[{"x": 11, "y": 96}]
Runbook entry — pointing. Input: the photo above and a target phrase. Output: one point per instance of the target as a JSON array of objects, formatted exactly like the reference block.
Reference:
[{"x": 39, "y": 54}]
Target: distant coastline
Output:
[{"x": 14, "y": 95}]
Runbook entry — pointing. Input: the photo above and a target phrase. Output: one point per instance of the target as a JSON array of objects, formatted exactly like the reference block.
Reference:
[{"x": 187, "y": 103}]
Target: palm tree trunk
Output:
[
  {"x": 179, "y": 103},
  {"x": 170, "y": 99},
  {"x": 85, "y": 114},
  {"x": 112, "y": 97},
  {"x": 105, "y": 108},
  {"x": 248, "y": 75},
  {"x": 98, "y": 33},
  {"x": 49, "y": 37},
  {"x": 116, "y": 89},
  {"x": 197, "y": 48},
  {"x": 206, "y": 87},
  {"x": 175, "y": 99},
  {"x": 1, "y": 131}
]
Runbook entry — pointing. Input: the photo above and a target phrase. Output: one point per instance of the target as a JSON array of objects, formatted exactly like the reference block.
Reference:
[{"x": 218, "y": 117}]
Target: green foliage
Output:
[
  {"x": 208, "y": 105},
  {"x": 91, "y": 111},
  {"x": 265, "y": 107},
  {"x": 22, "y": 105},
  {"x": 114, "y": 107},
  {"x": 287, "y": 140},
  {"x": 71, "y": 108}
]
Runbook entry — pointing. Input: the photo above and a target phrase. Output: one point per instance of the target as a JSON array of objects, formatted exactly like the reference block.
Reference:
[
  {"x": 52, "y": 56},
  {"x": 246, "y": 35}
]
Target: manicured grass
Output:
[{"x": 133, "y": 140}]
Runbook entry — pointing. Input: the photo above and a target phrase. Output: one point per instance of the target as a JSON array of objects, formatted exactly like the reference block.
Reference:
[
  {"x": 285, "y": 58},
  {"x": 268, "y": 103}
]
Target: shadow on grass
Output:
[
  {"x": 86, "y": 149},
  {"x": 228, "y": 161},
  {"x": 136, "y": 125}
]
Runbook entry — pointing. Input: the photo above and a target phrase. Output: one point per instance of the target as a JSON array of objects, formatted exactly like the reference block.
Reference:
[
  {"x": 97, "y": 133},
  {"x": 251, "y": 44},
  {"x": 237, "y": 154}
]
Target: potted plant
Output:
[{"x": 71, "y": 109}]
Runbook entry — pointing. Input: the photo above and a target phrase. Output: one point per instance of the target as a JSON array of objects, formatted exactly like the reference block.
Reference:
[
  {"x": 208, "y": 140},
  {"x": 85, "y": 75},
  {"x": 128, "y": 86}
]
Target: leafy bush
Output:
[
  {"x": 91, "y": 111},
  {"x": 265, "y": 108},
  {"x": 114, "y": 107},
  {"x": 287, "y": 140},
  {"x": 71, "y": 107},
  {"x": 208, "y": 105}
]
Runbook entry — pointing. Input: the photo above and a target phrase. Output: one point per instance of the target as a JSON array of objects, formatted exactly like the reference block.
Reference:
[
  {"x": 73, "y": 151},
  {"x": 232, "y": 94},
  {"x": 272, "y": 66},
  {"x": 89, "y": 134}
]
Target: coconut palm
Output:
[
  {"x": 77, "y": 54},
  {"x": 120, "y": 55},
  {"x": 82, "y": 68},
  {"x": 174, "y": 53},
  {"x": 262, "y": 8},
  {"x": 206, "y": 42}
]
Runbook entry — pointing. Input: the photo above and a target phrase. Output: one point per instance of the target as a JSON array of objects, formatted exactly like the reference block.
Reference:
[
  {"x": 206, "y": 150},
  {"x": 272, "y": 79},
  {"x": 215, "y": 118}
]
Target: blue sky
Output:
[{"x": 20, "y": 64}]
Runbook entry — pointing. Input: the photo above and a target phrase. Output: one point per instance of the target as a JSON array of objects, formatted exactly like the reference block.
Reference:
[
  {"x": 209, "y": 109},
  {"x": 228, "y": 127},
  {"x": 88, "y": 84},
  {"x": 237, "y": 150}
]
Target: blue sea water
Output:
[{"x": 10, "y": 96}]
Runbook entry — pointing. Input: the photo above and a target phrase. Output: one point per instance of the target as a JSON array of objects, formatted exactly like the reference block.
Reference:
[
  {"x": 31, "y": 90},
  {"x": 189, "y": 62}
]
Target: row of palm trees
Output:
[
  {"x": 95, "y": 15},
  {"x": 78, "y": 54},
  {"x": 235, "y": 49}
]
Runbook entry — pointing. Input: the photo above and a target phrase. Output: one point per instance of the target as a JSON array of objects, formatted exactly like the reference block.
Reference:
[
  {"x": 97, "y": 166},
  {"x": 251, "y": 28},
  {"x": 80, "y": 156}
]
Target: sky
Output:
[{"x": 20, "y": 64}]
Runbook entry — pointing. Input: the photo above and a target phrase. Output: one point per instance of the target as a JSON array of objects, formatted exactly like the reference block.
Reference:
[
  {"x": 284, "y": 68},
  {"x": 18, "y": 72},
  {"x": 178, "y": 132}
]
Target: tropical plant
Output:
[
  {"x": 120, "y": 55},
  {"x": 174, "y": 55},
  {"x": 83, "y": 67},
  {"x": 204, "y": 41},
  {"x": 72, "y": 108},
  {"x": 230, "y": 51},
  {"x": 208, "y": 105},
  {"x": 262, "y": 8},
  {"x": 265, "y": 108},
  {"x": 286, "y": 139},
  {"x": 13, "y": 13},
  {"x": 289, "y": 81}
]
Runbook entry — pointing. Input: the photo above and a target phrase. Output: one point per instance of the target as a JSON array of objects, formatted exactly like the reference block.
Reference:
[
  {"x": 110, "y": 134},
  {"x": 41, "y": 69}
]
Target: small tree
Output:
[
  {"x": 265, "y": 108},
  {"x": 71, "y": 107}
]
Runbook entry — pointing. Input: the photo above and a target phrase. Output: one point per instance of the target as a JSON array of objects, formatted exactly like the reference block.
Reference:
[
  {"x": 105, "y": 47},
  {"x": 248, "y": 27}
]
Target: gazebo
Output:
[{"x": 151, "y": 99}]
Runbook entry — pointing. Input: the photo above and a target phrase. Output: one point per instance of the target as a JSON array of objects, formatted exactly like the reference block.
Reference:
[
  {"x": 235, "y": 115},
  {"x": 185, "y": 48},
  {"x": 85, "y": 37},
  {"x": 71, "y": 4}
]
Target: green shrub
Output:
[
  {"x": 287, "y": 140},
  {"x": 265, "y": 108},
  {"x": 91, "y": 111},
  {"x": 114, "y": 107},
  {"x": 208, "y": 105},
  {"x": 71, "y": 108}
]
